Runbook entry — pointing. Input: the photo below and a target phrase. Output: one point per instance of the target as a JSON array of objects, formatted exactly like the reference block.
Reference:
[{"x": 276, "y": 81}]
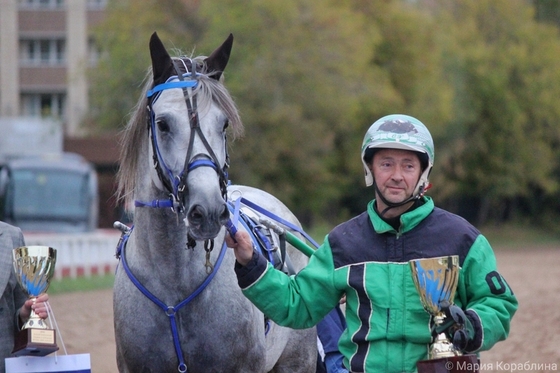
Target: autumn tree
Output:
[{"x": 502, "y": 141}]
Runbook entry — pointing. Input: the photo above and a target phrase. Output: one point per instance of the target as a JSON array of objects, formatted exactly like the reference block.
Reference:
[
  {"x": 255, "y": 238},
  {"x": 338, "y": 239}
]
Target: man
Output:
[
  {"x": 366, "y": 259},
  {"x": 15, "y": 307}
]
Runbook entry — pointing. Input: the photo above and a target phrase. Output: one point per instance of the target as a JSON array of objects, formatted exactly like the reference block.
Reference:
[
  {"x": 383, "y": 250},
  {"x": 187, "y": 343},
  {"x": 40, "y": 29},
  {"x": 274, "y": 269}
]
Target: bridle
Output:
[{"x": 176, "y": 185}]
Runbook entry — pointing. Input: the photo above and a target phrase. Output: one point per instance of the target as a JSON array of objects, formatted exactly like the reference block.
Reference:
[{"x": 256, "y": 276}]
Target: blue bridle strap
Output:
[
  {"x": 156, "y": 203},
  {"x": 202, "y": 163},
  {"x": 169, "y": 85},
  {"x": 170, "y": 311},
  {"x": 274, "y": 217}
]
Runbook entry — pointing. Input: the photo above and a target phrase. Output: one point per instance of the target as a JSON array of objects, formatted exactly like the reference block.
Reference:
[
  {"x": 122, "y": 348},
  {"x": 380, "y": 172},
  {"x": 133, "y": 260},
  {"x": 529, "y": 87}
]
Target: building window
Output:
[
  {"x": 96, "y": 4},
  {"x": 94, "y": 52},
  {"x": 45, "y": 105},
  {"x": 42, "y": 51},
  {"x": 42, "y": 4}
]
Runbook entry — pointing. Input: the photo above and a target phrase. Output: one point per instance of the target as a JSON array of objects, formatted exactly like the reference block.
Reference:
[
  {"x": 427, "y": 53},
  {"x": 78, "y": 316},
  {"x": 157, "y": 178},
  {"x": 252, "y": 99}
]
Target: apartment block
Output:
[{"x": 46, "y": 47}]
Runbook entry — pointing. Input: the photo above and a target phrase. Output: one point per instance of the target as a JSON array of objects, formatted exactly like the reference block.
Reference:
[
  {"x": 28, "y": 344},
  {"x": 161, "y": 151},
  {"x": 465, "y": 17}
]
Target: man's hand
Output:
[
  {"x": 242, "y": 246},
  {"x": 456, "y": 326},
  {"x": 39, "y": 306}
]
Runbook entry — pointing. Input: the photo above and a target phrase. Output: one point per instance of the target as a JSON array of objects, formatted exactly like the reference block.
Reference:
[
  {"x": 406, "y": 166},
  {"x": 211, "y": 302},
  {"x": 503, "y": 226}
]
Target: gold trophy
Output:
[
  {"x": 34, "y": 267},
  {"x": 436, "y": 282}
]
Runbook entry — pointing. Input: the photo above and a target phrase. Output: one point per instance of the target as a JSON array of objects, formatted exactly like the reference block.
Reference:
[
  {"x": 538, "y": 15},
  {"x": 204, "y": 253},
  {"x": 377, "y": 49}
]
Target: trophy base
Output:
[
  {"x": 35, "y": 342},
  {"x": 453, "y": 364}
]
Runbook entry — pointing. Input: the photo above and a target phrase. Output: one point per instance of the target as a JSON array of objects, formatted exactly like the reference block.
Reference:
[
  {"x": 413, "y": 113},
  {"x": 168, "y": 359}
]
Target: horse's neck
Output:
[
  {"x": 159, "y": 240},
  {"x": 160, "y": 246}
]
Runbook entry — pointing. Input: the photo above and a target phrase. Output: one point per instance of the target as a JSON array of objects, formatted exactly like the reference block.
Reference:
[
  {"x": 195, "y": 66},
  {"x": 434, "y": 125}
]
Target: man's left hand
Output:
[{"x": 456, "y": 326}]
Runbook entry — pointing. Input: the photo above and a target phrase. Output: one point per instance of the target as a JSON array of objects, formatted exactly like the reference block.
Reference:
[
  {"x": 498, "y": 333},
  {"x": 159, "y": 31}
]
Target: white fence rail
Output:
[{"x": 82, "y": 254}]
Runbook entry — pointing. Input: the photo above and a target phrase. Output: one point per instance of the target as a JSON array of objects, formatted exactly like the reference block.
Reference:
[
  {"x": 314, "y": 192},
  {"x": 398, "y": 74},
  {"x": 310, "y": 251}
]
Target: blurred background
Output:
[{"x": 309, "y": 77}]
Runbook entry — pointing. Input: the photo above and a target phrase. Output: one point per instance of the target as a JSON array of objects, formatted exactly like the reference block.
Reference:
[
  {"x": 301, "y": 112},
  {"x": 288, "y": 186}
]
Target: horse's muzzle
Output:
[{"x": 204, "y": 224}]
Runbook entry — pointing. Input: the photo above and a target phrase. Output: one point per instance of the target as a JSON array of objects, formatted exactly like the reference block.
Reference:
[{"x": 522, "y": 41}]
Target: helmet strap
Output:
[{"x": 391, "y": 205}]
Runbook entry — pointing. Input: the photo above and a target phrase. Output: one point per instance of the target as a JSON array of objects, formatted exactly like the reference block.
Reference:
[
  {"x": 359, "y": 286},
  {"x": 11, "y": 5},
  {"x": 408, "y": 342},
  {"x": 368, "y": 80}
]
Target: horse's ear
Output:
[
  {"x": 162, "y": 66},
  {"x": 217, "y": 61}
]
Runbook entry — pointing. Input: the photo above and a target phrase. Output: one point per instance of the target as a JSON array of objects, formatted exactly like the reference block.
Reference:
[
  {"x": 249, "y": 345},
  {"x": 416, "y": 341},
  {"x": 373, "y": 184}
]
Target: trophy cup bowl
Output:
[
  {"x": 436, "y": 282},
  {"x": 34, "y": 268}
]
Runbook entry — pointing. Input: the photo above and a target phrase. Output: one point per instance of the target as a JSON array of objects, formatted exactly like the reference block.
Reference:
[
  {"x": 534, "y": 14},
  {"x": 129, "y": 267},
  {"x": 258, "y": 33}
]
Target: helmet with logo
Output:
[{"x": 404, "y": 132}]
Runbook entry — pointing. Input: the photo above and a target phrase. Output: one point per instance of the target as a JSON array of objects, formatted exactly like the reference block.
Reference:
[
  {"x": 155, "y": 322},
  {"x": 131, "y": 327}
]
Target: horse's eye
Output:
[
  {"x": 226, "y": 124},
  {"x": 162, "y": 125}
]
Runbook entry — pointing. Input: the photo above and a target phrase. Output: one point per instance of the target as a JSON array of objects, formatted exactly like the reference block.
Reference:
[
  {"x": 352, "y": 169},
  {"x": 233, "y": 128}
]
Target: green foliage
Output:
[
  {"x": 123, "y": 38},
  {"x": 309, "y": 77},
  {"x": 504, "y": 70},
  {"x": 301, "y": 93},
  {"x": 547, "y": 11}
]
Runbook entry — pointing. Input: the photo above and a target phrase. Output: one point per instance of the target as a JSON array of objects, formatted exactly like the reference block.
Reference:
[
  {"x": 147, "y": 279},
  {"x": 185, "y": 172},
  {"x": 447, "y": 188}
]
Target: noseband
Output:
[{"x": 176, "y": 185}]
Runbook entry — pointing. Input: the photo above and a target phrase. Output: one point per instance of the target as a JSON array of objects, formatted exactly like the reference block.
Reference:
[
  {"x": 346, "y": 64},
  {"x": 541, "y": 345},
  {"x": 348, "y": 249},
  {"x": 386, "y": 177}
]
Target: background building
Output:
[{"x": 45, "y": 48}]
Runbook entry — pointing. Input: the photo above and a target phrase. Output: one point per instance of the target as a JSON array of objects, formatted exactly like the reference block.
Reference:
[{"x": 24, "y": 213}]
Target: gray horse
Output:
[{"x": 177, "y": 305}]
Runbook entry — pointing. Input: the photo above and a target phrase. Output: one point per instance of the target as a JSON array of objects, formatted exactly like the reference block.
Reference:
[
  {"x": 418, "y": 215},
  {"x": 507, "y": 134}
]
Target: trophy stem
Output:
[{"x": 441, "y": 346}]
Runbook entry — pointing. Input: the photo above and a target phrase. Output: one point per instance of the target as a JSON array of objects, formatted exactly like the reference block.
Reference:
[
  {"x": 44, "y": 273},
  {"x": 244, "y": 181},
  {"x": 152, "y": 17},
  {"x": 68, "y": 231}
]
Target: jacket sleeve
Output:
[
  {"x": 486, "y": 296},
  {"x": 20, "y": 296},
  {"x": 299, "y": 301}
]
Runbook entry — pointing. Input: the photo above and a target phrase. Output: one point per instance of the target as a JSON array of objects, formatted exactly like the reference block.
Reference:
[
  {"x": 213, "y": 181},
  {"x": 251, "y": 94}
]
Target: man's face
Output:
[{"x": 396, "y": 173}]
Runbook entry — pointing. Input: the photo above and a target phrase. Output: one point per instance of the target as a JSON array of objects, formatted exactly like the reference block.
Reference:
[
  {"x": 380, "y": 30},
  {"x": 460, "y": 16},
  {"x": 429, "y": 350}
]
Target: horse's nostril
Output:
[
  {"x": 224, "y": 216},
  {"x": 196, "y": 214}
]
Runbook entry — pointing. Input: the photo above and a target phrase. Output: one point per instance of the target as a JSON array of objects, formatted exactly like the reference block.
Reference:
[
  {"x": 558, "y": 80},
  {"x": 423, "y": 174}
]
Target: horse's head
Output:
[{"x": 188, "y": 112}]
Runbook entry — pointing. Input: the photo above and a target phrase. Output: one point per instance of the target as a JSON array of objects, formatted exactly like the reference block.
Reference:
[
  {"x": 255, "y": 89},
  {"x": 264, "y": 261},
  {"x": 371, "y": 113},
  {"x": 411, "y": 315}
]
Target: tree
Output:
[
  {"x": 503, "y": 135},
  {"x": 123, "y": 38},
  {"x": 547, "y": 11}
]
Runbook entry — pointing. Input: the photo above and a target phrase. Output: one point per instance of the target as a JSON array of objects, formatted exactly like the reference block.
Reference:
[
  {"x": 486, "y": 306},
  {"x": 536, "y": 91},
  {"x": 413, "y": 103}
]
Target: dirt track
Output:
[{"x": 86, "y": 321}]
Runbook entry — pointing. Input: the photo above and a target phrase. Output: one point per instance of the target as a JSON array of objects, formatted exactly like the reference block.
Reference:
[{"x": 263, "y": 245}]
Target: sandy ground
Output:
[{"x": 86, "y": 323}]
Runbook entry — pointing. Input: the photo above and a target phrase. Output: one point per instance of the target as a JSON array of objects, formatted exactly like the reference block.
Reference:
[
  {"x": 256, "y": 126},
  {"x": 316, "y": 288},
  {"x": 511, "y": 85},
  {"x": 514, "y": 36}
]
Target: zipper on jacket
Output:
[{"x": 388, "y": 318}]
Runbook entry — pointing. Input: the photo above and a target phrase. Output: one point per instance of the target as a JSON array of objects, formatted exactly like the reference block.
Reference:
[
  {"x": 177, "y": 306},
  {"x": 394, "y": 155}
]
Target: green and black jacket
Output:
[{"x": 368, "y": 261}]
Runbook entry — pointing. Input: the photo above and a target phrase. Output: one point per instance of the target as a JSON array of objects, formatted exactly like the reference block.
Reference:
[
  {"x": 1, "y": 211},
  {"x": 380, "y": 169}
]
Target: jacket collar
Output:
[{"x": 409, "y": 220}]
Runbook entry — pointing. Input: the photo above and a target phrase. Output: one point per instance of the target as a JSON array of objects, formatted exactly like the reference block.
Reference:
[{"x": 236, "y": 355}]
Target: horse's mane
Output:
[{"x": 134, "y": 137}]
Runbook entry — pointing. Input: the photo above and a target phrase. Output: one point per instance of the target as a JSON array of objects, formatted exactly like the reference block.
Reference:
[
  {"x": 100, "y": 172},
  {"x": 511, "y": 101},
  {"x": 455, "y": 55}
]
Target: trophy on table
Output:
[
  {"x": 436, "y": 282},
  {"x": 34, "y": 267}
]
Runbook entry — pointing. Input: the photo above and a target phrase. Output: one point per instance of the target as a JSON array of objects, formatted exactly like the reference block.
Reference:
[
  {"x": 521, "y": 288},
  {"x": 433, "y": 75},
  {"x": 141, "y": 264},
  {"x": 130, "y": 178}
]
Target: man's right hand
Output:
[{"x": 242, "y": 246}]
